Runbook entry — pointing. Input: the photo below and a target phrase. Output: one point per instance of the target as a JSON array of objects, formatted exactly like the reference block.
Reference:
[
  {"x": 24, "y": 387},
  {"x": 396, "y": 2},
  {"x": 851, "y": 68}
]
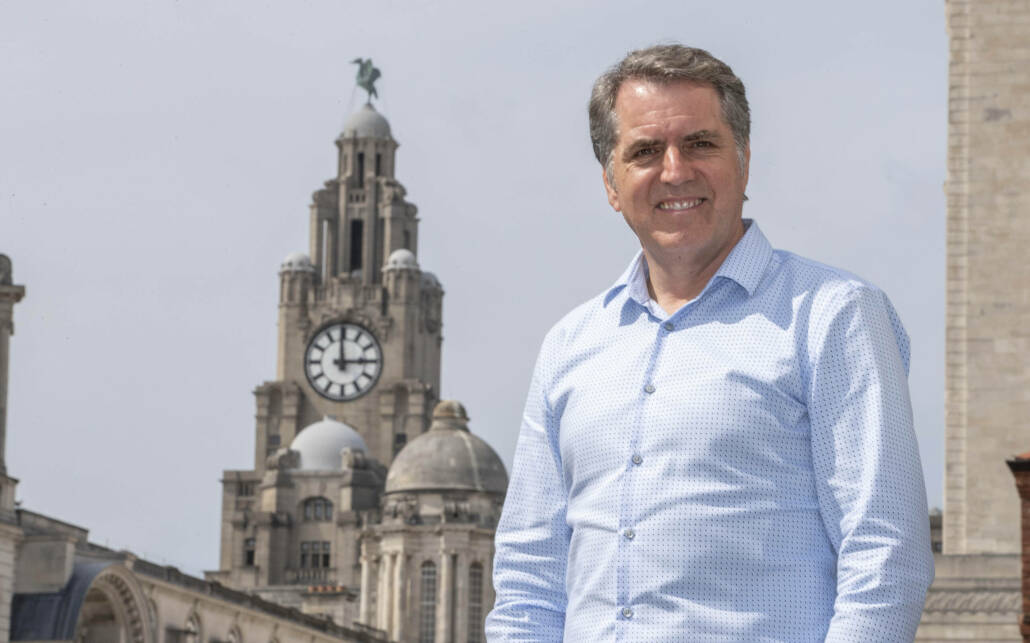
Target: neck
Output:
[{"x": 676, "y": 278}]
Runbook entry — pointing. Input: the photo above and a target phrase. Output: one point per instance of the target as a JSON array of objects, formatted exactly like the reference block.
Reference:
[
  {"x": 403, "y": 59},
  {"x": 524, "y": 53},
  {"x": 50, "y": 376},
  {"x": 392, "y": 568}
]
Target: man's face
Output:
[{"x": 677, "y": 178}]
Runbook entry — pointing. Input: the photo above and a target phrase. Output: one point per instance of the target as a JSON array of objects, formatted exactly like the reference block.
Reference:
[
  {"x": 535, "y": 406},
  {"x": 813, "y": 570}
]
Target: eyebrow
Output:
[{"x": 700, "y": 134}]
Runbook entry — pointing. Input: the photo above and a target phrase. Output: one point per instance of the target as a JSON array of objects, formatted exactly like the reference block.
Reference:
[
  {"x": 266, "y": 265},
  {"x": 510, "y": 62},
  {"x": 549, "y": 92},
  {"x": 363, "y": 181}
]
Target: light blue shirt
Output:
[{"x": 742, "y": 470}]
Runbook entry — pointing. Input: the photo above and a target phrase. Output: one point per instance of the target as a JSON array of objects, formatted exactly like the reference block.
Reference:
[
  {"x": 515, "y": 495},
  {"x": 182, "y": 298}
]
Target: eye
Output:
[
  {"x": 701, "y": 144},
  {"x": 644, "y": 152}
]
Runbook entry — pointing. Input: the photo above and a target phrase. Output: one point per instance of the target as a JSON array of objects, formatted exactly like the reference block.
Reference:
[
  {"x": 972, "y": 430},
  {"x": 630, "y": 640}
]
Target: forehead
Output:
[{"x": 647, "y": 108}]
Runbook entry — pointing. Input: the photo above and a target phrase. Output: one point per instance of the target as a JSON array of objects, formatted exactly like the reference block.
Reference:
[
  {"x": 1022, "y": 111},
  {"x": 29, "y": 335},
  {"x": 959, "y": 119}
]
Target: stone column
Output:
[
  {"x": 366, "y": 587},
  {"x": 1020, "y": 466},
  {"x": 398, "y": 596},
  {"x": 9, "y": 296},
  {"x": 383, "y": 600},
  {"x": 444, "y": 602}
]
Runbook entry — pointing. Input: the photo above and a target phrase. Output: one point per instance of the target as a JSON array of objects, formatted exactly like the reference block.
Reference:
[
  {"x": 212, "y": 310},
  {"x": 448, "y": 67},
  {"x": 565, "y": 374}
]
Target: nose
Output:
[{"x": 676, "y": 169}]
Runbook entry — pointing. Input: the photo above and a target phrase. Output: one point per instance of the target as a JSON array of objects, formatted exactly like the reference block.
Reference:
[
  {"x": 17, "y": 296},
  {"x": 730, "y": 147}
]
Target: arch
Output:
[
  {"x": 115, "y": 609},
  {"x": 427, "y": 603}
]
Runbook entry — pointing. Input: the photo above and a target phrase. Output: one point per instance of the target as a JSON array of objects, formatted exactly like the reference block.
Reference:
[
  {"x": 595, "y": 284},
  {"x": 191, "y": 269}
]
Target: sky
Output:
[{"x": 157, "y": 161}]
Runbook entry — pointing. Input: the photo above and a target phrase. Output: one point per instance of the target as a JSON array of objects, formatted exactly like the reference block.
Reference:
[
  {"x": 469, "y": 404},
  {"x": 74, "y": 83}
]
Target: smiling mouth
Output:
[{"x": 685, "y": 204}]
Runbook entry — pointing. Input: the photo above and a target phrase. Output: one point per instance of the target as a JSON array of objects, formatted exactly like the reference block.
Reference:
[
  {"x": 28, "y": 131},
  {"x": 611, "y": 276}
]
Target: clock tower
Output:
[
  {"x": 359, "y": 323},
  {"x": 364, "y": 482}
]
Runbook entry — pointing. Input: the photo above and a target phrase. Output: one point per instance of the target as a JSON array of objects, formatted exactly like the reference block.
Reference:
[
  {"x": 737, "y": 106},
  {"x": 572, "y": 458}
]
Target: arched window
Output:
[
  {"x": 427, "y": 604},
  {"x": 475, "y": 603},
  {"x": 318, "y": 509}
]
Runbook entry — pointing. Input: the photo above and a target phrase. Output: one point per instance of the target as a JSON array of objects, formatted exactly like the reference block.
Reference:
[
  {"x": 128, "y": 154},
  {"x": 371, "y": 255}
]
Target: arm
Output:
[
  {"x": 532, "y": 538},
  {"x": 869, "y": 479}
]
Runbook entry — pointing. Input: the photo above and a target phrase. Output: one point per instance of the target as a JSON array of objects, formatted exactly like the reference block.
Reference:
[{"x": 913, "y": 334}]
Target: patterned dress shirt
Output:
[{"x": 742, "y": 470}]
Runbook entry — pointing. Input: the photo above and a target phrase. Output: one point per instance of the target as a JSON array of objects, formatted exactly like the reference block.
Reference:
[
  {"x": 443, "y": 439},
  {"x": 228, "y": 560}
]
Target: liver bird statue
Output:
[{"x": 367, "y": 76}]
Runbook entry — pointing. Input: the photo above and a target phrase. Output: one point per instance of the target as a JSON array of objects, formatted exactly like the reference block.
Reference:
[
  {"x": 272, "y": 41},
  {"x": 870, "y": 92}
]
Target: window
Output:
[
  {"x": 427, "y": 604},
  {"x": 361, "y": 169},
  {"x": 314, "y": 554},
  {"x": 245, "y": 489},
  {"x": 379, "y": 164},
  {"x": 475, "y": 603},
  {"x": 248, "y": 552},
  {"x": 357, "y": 243},
  {"x": 318, "y": 509}
]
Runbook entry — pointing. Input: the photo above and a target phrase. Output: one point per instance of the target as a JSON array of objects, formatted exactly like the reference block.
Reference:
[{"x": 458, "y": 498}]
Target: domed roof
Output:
[
  {"x": 321, "y": 443},
  {"x": 429, "y": 279},
  {"x": 367, "y": 122},
  {"x": 400, "y": 259},
  {"x": 447, "y": 457},
  {"x": 297, "y": 261}
]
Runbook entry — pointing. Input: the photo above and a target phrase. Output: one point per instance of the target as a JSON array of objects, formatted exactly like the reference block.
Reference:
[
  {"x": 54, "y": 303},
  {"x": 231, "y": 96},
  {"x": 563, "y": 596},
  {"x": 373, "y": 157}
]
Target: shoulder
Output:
[
  {"x": 827, "y": 290},
  {"x": 579, "y": 321},
  {"x": 839, "y": 303}
]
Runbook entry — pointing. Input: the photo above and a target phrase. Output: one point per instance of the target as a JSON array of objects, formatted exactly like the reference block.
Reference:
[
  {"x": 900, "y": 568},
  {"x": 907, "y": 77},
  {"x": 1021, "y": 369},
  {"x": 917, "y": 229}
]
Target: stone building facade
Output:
[
  {"x": 975, "y": 596},
  {"x": 56, "y": 586},
  {"x": 369, "y": 502}
]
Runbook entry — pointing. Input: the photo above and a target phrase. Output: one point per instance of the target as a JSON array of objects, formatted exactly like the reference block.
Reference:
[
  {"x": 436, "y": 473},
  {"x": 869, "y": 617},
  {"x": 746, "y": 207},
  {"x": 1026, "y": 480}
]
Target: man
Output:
[{"x": 719, "y": 447}]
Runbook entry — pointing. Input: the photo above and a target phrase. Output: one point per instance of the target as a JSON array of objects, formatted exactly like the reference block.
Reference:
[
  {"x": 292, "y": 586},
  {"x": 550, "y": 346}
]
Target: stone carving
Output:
[
  {"x": 284, "y": 458},
  {"x": 117, "y": 585},
  {"x": 353, "y": 459},
  {"x": 405, "y": 507},
  {"x": 974, "y": 601},
  {"x": 456, "y": 510},
  {"x": 392, "y": 191}
]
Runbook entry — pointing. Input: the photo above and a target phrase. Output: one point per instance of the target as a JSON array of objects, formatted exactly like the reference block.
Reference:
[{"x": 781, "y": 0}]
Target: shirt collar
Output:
[{"x": 745, "y": 265}]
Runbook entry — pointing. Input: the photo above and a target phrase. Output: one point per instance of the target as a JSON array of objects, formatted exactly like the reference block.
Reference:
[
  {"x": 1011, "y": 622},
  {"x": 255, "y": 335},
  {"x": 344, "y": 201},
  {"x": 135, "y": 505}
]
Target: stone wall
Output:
[{"x": 988, "y": 339}]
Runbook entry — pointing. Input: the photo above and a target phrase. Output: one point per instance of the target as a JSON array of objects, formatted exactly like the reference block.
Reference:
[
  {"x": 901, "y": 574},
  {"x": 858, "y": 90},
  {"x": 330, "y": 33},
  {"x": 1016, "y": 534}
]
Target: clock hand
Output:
[
  {"x": 341, "y": 361},
  {"x": 362, "y": 360}
]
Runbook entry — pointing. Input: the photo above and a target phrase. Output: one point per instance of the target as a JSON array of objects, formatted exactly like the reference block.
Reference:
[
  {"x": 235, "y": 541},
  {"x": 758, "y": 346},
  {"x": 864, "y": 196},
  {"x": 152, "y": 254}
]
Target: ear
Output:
[
  {"x": 609, "y": 188},
  {"x": 747, "y": 163}
]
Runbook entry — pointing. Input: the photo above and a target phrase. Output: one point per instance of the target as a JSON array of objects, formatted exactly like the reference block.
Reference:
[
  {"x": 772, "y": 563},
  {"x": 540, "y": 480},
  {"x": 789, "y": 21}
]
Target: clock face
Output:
[{"x": 343, "y": 361}]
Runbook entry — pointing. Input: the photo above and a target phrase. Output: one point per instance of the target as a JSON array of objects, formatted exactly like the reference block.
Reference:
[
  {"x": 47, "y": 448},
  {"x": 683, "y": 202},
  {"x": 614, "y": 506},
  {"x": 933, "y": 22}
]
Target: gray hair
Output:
[{"x": 664, "y": 64}]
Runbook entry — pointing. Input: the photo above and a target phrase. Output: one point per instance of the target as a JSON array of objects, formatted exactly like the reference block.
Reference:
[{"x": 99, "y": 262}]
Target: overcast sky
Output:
[{"x": 157, "y": 160}]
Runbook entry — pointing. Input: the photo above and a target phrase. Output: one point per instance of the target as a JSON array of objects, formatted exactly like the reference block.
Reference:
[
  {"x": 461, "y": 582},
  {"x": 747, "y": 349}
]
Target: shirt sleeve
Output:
[
  {"x": 532, "y": 539},
  {"x": 869, "y": 479}
]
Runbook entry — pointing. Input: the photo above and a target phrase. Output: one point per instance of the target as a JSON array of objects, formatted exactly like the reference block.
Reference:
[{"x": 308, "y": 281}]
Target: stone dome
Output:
[
  {"x": 297, "y": 261},
  {"x": 447, "y": 457},
  {"x": 401, "y": 259},
  {"x": 429, "y": 280},
  {"x": 367, "y": 122},
  {"x": 321, "y": 443}
]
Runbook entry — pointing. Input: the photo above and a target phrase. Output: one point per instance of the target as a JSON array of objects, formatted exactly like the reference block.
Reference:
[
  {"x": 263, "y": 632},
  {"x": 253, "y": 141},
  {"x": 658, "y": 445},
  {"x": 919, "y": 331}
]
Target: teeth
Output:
[{"x": 679, "y": 205}]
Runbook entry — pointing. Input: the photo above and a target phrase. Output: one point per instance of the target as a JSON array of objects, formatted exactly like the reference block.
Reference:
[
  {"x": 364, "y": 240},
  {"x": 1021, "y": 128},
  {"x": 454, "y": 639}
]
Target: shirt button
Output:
[
  {"x": 668, "y": 326},
  {"x": 637, "y": 459},
  {"x": 649, "y": 388},
  {"x": 630, "y": 534},
  {"x": 627, "y": 612}
]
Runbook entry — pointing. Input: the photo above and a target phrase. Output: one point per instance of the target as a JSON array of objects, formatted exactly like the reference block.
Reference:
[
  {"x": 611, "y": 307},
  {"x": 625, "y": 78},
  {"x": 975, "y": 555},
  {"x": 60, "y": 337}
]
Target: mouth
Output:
[{"x": 680, "y": 204}]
